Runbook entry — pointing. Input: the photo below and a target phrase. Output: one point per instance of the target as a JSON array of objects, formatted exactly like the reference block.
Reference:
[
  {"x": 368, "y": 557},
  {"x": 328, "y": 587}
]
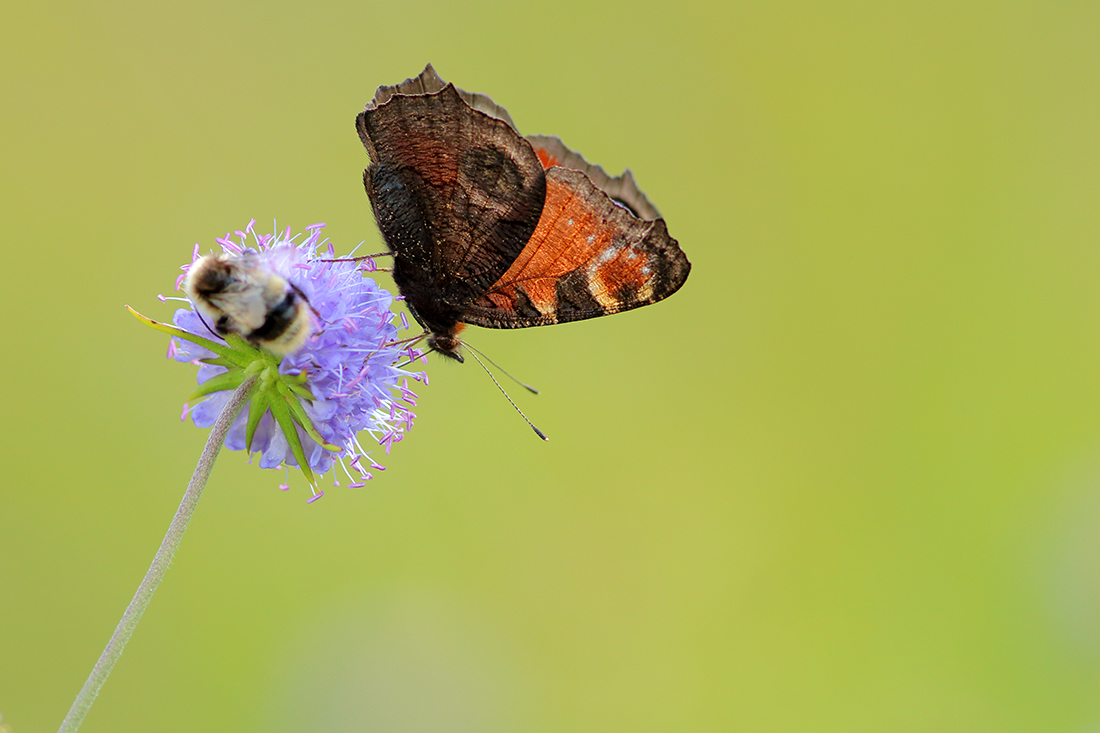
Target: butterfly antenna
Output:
[
  {"x": 527, "y": 387},
  {"x": 513, "y": 404}
]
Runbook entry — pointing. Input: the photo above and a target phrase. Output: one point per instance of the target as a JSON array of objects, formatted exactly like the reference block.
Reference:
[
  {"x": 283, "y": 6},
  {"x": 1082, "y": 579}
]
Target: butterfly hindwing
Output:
[
  {"x": 493, "y": 229},
  {"x": 456, "y": 192}
]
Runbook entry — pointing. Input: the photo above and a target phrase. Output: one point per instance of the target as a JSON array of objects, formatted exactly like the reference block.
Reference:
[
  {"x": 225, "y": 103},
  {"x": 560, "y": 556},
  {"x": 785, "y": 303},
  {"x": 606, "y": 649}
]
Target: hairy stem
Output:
[{"x": 161, "y": 561}]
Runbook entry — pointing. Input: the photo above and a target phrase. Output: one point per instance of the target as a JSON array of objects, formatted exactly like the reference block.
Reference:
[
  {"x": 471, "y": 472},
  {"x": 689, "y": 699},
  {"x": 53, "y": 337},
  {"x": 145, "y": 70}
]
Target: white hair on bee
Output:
[{"x": 240, "y": 294}]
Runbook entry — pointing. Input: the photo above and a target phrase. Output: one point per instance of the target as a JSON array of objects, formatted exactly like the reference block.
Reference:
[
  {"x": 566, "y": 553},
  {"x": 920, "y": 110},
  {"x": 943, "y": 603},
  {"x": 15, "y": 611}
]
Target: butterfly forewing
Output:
[
  {"x": 622, "y": 189},
  {"x": 588, "y": 257},
  {"x": 496, "y": 230}
]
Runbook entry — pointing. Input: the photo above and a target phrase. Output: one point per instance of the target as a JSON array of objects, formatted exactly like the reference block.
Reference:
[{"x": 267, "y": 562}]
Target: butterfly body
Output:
[{"x": 493, "y": 229}]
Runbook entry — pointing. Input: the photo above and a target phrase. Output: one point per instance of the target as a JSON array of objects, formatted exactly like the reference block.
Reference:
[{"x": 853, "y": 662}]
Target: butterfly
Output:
[{"x": 490, "y": 228}]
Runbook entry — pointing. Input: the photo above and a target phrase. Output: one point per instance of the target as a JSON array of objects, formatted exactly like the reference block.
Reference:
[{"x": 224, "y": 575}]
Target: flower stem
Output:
[{"x": 161, "y": 561}]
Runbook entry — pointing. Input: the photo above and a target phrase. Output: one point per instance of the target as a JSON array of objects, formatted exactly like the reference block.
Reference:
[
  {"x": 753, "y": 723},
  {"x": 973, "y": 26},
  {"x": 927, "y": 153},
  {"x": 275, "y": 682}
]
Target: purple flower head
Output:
[{"x": 310, "y": 405}]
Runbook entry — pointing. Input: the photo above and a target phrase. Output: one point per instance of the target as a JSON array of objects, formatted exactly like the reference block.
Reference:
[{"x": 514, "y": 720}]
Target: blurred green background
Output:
[{"x": 848, "y": 479}]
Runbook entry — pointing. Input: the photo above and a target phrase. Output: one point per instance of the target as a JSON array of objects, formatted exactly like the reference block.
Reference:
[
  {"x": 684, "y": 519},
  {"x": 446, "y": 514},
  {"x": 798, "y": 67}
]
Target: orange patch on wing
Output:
[
  {"x": 572, "y": 235},
  {"x": 608, "y": 275},
  {"x": 546, "y": 158}
]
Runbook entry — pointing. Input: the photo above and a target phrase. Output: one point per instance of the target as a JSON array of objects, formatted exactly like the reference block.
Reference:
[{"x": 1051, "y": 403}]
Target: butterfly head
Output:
[{"x": 447, "y": 344}]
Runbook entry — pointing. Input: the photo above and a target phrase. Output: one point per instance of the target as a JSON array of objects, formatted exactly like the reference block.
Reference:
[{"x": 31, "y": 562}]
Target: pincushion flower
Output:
[
  {"x": 310, "y": 406},
  {"x": 309, "y": 346}
]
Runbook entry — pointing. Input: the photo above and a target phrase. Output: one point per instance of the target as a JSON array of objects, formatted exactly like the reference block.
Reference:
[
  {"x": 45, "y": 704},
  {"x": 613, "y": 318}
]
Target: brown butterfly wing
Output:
[
  {"x": 622, "y": 189},
  {"x": 456, "y": 191},
  {"x": 589, "y": 256}
]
